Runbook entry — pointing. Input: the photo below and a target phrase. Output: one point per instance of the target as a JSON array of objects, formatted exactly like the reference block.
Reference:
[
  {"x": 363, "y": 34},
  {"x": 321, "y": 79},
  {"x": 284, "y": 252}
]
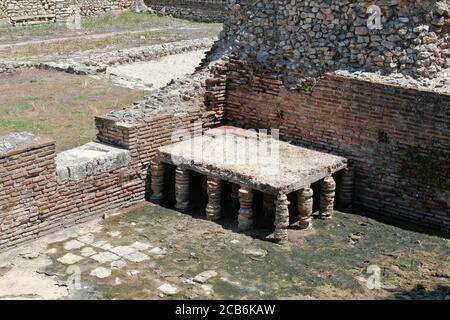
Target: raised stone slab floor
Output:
[{"x": 252, "y": 161}]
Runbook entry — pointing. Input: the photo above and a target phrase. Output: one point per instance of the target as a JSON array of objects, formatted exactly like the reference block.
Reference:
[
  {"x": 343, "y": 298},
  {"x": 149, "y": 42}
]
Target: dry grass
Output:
[
  {"x": 90, "y": 25},
  {"x": 118, "y": 41},
  {"x": 58, "y": 105},
  {"x": 111, "y": 31}
]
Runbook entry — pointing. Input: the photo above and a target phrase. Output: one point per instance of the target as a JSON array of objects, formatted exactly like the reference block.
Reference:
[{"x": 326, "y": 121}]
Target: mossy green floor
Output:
[{"x": 329, "y": 263}]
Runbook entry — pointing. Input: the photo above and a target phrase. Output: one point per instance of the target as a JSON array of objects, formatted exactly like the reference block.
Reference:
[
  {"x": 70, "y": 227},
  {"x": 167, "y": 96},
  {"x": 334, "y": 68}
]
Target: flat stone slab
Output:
[
  {"x": 103, "y": 257},
  {"x": 205, "y": 276},
  {"x": 15, "y": 143},
  {"x": 168, "y": 289},
  {"x": 73, "y": 244},
  {"x": 92, "y": 158},
  {"x": 248, "y": 158},
  {"x": 101, "y": 272},
  {"x": 70, "y": 258}
]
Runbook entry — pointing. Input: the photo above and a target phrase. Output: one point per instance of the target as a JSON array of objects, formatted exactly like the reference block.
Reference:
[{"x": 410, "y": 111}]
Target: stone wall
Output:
[
  {"x": 156, "y": 121},
  {"x": 197, "y": 10},
  {"x": 41, "y": 11},
  {"x": 308, "y": 38}
]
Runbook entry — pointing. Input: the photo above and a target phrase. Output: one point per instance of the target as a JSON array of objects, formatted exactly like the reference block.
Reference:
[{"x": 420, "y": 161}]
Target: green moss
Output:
[{"x": 428, "y": 167}]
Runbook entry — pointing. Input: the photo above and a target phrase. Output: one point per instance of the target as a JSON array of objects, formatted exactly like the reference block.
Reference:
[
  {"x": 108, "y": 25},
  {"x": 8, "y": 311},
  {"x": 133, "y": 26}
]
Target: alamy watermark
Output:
[
  {"x": 255, "y": 149},
  {"x": 73, "y": 281},
  {"x": 374, "y": 20},
  {"x": 73, "y": 22},
  {"x": 373, "y": 282}
]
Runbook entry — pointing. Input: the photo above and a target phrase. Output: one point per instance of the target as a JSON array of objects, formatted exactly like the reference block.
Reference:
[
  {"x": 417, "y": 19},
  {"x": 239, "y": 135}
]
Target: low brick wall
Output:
[
  {"x": 34, "y": 203},
  {"x": 399, "y": 138},
  {"x": 145, "y": 137},
  {"x": 197, "y": 10}
]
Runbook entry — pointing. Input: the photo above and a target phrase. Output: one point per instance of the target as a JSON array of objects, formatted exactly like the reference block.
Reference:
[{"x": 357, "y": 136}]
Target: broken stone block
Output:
[
  {"x": 168, "y": 289},
  {"x": 205, "y": 276}
]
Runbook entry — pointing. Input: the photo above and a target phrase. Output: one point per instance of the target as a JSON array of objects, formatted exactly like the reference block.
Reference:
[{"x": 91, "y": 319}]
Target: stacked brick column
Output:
[
  {"x": 157, "y": 185},
  {"x": 269, "y": 205},
  {"x": 182, "y": 189},
  {"x": 281, "y": 219},
  {"x": 327, "y": 198},
  {"x": 245, "y": 218},
  {"x": 213, "y": 209},
  {"x": 305, "y": 208}
]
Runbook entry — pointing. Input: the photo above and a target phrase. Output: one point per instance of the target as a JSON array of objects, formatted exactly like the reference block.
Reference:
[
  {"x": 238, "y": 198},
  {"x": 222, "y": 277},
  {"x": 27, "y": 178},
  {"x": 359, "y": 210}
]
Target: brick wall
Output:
[
  {"x": 34, "y": 203},
  {"x": 398, "y": 137},
  {"x": 144, "y": 137},
  {"x": 26, "y": 171}
]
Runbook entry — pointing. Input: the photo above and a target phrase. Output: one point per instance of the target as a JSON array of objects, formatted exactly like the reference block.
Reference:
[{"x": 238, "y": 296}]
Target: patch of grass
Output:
[
  {"x": 111, "y": 22},
  {"x": 129, "y": 18},
  {"x": 58, "y": 105},
  {"x": 117, "y": 41}
]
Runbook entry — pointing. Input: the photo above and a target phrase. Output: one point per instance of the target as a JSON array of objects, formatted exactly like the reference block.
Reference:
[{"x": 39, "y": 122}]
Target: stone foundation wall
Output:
[
  {"x": 41, "y": 11},
  {"x": 399, "y": 138},
  {"x": 197, "y": 10},
  {"x": 308, "y": 38}
]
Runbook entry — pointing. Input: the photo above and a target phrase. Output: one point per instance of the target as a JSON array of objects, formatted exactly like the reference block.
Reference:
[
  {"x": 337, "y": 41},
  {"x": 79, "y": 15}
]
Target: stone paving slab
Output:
[
  {"x": 78, "y": 163},
  {"x": 239, "y": 156}
]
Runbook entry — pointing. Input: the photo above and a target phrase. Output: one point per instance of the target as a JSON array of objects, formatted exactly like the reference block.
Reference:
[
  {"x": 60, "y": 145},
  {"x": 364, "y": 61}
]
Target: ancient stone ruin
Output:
[
  {"x": 360, "y": 94},
  {"x": 197, "y": 10},
  {"x": 253, "y": 162},
  {"x": 320, "y": 73},
  {"x": 43, "y": 11},
  {"x": 26, "y": 12}
]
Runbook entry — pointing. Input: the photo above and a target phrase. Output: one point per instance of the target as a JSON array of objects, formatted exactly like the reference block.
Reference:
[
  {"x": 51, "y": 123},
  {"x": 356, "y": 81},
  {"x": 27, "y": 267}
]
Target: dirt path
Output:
[
  {"x": 96, "y": 36},
  {"x": 156, "y": 74}
]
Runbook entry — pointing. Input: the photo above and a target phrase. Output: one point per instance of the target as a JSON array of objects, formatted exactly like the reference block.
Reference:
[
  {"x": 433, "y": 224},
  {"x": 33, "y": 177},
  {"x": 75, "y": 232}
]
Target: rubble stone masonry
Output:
[
  {"x": 41, "y": 11},
  {"x": 197, "y": 10},
  {"x": 308, "y": 38}
]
